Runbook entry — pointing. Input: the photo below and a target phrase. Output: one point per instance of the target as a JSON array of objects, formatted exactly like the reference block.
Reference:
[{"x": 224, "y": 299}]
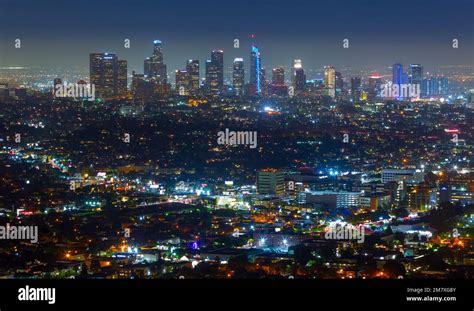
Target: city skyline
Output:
[{"x": 225, "y": 75}]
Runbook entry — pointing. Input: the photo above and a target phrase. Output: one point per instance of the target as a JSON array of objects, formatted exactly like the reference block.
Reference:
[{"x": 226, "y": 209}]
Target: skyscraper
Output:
[
  {"x": 356, "y": 89},
  {"x": 192, "y": 67},
  {"x": 217, "y": 57},
  {"x": 278, "y": 86},
  {"x": 278, "y": 75},
  {"x": 297, "y": 64},
  {"x": 339, "y": 83},
  {"x": 122, "y": 77},
  {"x": 154, "y": 68},
  {"x": 375, "y": 85},
  {"x": 215, "y": 72},
  {"x": 330, "y": 80},
  {"x": 182, "y": 82},
  {"x": 415, "y": 74},
  {"x": 238, "y": 76},
  {"x": 108, "y": 74},
  {"x": 435, "y": 86},
  {"x": 443, "y": 86},
  {"x": 255, "y": 71},
  {"x": 397, "y": 73},
  {"x": 300, "y": 80}
]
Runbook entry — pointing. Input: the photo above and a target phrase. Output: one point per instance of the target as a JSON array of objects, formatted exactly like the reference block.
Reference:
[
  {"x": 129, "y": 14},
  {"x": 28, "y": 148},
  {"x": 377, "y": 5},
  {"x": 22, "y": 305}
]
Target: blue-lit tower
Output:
[{"x": 255, "y": 70}]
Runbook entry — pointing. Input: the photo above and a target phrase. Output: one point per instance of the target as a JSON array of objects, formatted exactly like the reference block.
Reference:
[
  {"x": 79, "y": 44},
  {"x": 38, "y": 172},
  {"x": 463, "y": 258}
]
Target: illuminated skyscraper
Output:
[
  {"x": 397, "y": 73},
  {"x": 215, "y": 72},
  {"x": 217, "y": 57},
  {"x": 297, "y": 64},
  {"x": 416, "y": 74},
  {"x": 435, "y": 86},
  {"x": 157, "y": 51},
  {"x": 356, "y": 88},
  {"x": 278, "y": 86},
  {"x": 182, "y": 82},
  {"x": 154, "y": 68},
  {"x": 108, "y": 74},
  {"x": 122, "y": 77},
  {"x": 300, "y": 80},
  {"x": 192, "y": 67},
  {"x": 443, "y": 86},
  {"x": 339, "y": 83},
  {"x": 330, "y": 80},
  {"x": 238, "y": 76},
  {"x": 278, "y": 75},
  {"x": 255, "y": 71},
  {"x": 375, "y": 85}
]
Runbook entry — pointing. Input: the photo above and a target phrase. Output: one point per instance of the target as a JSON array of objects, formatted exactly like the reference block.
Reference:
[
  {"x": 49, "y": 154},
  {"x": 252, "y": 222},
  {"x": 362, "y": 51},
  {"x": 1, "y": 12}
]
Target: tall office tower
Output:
[
  {"x": 415, "y": 74},
  {"x": 425, "y": 87},
  {"x": 270, "y": 182},
  {"x": 278, "y": 75},
  {"x": 108, "y": 74},
  {"x": 217, "y": 57},
  {"x": 154, "y": 68},
  {"x": 238, "y": 76},
  {"x": 375, "y": 85},
  {"x": 263, "y": 82},
  {"x": 300, "y": 80},
  {"x": 122, "y": 78},
  {"x": 215, "y": 72},
  {"x": 97, "y": 73},
  {"x": 210, "y": 80},
  {"x": 405, "y": 78},
  {"x": 255, "y": 71},
  {"x": 182, "y": 82},
  {"x": 330, "y": 80},
  {"x": 143, "y": 89},
  {"x": 443, "y": 86},
  {"x": 436, "y": 86},
  {"x": 278, "y": 86},
  {"x": 137, "y": 80},
  {"x": 192, "y": 67},
  {"x": 356, "y": 88},
  {"x": 397, "y": 73},
  {"x": 339, "y": 84},
  {"x": 297, "y": 64},
  {"x": 158, "y": 51}
]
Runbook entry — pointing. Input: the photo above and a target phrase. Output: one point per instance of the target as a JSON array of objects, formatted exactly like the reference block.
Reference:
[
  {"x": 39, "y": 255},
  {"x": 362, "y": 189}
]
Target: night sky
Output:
[{"x": 63, "y": 33}]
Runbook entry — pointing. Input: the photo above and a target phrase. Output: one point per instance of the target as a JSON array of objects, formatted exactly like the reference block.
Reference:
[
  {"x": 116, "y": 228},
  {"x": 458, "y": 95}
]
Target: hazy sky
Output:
[{"x": 63, "y": 33}]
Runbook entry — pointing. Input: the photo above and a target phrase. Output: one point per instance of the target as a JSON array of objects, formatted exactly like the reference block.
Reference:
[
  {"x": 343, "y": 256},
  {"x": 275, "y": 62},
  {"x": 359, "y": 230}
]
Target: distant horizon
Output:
[
  {"x": 379, "y": 33},
  {"x": 135, "y": 63}
]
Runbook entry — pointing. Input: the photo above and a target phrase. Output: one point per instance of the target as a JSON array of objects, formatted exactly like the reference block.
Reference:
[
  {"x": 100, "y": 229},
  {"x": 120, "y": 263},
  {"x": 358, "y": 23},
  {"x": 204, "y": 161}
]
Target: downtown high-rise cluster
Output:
[{"x": 109, "y": 74}]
